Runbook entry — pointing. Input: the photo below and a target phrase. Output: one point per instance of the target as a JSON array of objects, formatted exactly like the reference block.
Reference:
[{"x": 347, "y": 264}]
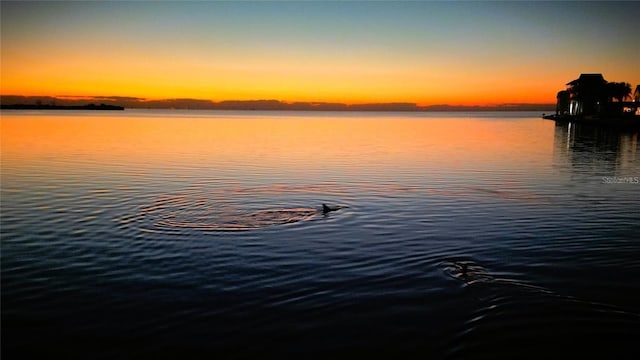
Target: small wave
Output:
[
  {"x": 471, "y": 273},
  {"x": 208, "y": 212},
  {"x": 240, "y": 221},
  {"x": 509, "y": 317}
]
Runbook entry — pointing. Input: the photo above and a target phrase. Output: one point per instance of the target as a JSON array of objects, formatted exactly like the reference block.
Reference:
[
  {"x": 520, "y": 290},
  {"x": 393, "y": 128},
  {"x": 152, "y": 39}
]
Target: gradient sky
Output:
[{"x": 463, "y": 53}]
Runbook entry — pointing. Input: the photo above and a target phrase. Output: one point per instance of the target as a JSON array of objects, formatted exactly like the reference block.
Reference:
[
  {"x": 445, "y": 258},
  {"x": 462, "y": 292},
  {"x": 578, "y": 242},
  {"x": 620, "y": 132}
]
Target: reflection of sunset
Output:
[{"x": 277, "y": 143}]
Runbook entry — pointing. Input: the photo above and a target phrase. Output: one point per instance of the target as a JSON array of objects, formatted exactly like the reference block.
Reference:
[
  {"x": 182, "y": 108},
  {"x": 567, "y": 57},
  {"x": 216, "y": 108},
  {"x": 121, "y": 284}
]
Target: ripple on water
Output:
[
  {"x": 511, "y": 318},
  {"x": 214, "y": 211}
]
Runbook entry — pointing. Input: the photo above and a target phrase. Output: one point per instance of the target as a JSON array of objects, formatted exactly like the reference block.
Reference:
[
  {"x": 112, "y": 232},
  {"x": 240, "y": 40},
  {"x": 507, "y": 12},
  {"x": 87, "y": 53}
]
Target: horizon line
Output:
[{"x": 258, "y": 104}]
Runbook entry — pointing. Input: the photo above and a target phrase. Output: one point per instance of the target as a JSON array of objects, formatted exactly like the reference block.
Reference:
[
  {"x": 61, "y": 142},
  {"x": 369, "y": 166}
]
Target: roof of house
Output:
[{"x": 588, "y": 79}]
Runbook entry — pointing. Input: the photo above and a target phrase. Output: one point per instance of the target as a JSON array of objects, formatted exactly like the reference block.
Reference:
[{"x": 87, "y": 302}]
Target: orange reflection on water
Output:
[{"x": 278, "y": 141}]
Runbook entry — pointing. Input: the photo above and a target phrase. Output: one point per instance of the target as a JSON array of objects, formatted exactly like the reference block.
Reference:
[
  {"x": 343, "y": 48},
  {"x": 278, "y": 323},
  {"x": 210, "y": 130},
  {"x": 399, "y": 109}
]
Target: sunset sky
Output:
[{"x": 464, "y": 53}]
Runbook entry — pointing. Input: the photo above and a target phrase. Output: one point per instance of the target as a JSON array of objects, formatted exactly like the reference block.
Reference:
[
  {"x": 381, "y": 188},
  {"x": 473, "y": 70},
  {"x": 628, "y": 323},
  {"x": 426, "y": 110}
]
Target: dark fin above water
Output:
[{"x": 326, "y": 209}]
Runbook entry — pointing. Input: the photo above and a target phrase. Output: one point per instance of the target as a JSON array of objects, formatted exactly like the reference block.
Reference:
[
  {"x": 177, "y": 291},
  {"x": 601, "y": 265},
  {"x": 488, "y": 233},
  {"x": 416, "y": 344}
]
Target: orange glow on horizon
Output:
[
  {"x": 79, "y": 74},
  {"x": 287, "y": 98},
  {"x": 157, "y": 73}
]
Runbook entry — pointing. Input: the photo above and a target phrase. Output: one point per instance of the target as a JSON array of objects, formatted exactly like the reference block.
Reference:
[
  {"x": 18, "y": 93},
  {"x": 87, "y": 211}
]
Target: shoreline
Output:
[{"x": 60, "y": 107}]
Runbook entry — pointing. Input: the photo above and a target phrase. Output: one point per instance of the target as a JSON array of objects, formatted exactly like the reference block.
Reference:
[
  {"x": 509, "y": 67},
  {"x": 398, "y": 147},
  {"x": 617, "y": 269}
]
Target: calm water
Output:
[{"x": 176, "y": 234}]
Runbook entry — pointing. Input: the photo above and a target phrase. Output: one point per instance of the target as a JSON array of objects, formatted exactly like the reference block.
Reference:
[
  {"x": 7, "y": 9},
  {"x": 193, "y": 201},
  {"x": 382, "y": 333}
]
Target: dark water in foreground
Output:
[{"x": 200, "y": 234}]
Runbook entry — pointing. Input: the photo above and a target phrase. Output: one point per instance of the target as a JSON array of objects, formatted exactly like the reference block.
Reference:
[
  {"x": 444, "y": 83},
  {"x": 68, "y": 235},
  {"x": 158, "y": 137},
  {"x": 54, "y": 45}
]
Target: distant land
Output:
[
  {"x": 199, "y": 104},
  {"x": 39, "y": 106}
]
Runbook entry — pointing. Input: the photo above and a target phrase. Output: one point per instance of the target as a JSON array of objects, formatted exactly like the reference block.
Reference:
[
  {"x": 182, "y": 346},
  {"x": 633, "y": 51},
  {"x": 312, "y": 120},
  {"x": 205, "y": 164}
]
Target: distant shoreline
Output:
[
  {"x": 261, "y": 105},
  {"x": 60, "y": 107},
  {"x": 347, "y": 108}
]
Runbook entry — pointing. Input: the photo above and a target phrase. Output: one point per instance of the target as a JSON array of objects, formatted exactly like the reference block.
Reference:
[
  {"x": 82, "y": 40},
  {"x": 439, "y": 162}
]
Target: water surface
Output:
[{"x": 194, "y": 233}]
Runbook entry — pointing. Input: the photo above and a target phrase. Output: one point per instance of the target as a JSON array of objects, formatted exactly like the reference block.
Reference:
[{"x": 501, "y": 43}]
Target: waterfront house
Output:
[
  {"x": 591, "y": 95},
  {"x": 592, "y": 99},
  {"x": 587, "y": 96}
]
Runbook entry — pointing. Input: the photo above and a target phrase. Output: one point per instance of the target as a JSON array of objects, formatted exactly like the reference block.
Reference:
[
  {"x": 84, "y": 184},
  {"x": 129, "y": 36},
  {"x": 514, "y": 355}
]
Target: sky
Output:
[{"x": 423, "y": 52}]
